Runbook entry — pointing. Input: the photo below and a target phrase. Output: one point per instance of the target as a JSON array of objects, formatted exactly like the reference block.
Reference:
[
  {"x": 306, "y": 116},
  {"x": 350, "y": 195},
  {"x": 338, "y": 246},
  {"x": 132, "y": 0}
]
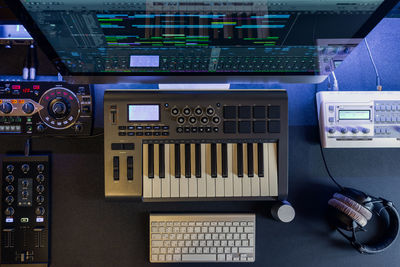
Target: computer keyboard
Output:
[{"x": 202, "y": 238}]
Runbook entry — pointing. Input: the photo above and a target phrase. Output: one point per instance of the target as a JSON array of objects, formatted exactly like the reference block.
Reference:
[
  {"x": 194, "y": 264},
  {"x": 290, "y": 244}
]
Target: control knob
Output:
[
  {"x": 59, "y": 108},
  {"x": 39, "y": 211},
  {"x": 365, "y": 130},
  {"x": 354, "y": 130},
  {"x": 6, "y": 108},
  {"x": 9, "y": 211},
  {"x": 331, "y": 130},
  {"x": 9, "y": 199},
  {"x": 40, "y": 128},
  {"x": 25, "y": 168},
  {"x": 28, "y": 108},
  {"x": 343, "y": 130},
  {"x": 9, "y": 178},
  {"x": 78, "y": 128}
]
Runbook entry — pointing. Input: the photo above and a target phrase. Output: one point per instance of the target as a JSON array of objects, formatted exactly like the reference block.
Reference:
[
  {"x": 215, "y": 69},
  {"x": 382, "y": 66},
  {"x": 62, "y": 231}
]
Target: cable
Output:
[
  {"x": 378, "y": 78},
  {"x": 335, "y": 86},
  {"x": 321, "y": 149}
]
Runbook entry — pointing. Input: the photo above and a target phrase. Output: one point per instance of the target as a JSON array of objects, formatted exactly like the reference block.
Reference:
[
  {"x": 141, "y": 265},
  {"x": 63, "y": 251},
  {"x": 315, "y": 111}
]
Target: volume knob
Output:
[
  {"x": 6, "y": 108},
  {"x": 59, "y": 109},
  {"x": 28, "y": 108}
]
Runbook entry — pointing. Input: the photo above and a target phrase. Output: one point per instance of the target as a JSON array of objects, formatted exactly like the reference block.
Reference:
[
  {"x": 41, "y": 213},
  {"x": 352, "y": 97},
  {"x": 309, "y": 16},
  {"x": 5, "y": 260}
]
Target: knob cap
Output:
[
  {"x": 25, "y": 194},
  {"x": 40, "y": 188},
  {"x": 28, "y": 108},
  {"x": 39, "y": 211},
  {"x": 59, "y": 109},
  {"x": 365, "y": 130},
  {"x": 343, "y": 130},
  {"x": 40, "y": 199},
  {"x": 40, "y": 128},
  {"x": 354, "y": 130},
  {"x": 9, "y": 188},
  {"x": 331, "y": 130},
  {"x": 9, "y": 178},
  {"x": 9, "y": 199},
  {"x": 9, "y": 211},
  {"x": 40, "y": 178},
  {"x": 40, "y": 168},
  {"x": 6, "y": 108},
  {"x": 10, "y": 168},
  {"x": 25, "y": 168},
  {"x": 78, "y": 128}
]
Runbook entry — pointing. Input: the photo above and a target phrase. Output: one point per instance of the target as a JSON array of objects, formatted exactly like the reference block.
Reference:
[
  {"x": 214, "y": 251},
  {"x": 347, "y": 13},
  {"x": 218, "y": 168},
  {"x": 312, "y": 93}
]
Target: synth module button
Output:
[
  {"x": 244, "y": 127},
  {"x": 157, "y": 133},
  {"x": 259, "y": 126},
  {"x": 229, "y": 112},
  {"x": 148, "y": 127},
  {"x": 179, "y": 130},
  {"x": 131, "y": 134},
  {"x": 166, "y": 127},
  {"x": 244, "y": 112},
  {"x": 131, "y": 127},
  {"x": 148, "y": 133},
  {"x": 187, "y": 129},
  {"x": 139, "y": 128},
  {"x": 165, "y": 133},
  {"x": 122, "y": 134},
  {"x": 208, "y": 129},
  {"x": 139, "y": 134},
  {"x": 216, "y": 129}
]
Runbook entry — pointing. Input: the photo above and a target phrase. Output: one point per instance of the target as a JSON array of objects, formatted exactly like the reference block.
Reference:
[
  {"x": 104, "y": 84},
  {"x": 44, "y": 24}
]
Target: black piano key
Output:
[
  {"x": 129, "y": 168},
  {"x": 151, "y": 161},
  {"x": 198, "y": 160},
  {"x": 161, "y": 161},
  {"x": 260, "y": 159},
  {"x": 177, "y": 161},
  {"x": 214, "y": 160},
  {"x": 224, "y": 160},
  {"x": 240, "y": 159},
  {"x": 250, "y": 163},
  {"x": 187, "y": 161}
]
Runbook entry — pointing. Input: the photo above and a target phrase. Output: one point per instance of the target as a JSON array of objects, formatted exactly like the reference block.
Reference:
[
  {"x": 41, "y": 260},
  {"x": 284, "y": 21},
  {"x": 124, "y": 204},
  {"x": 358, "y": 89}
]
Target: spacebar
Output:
[{"x": 199, "y": 257}]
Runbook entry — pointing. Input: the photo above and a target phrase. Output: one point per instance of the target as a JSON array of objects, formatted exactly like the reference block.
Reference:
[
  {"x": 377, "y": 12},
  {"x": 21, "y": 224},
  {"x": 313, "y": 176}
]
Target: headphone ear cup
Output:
[
  {"x": 354, "y": 205},
  {"x": 350, "y": 212}
]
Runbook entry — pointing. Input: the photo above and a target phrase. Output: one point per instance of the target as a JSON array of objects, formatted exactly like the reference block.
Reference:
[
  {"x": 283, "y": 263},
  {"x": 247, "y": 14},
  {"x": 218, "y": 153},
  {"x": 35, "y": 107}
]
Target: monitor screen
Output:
[{"x": 191, "y": 37}]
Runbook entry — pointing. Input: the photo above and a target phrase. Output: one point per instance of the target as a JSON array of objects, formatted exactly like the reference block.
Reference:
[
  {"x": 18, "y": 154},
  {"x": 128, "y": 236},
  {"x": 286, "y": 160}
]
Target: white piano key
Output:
[
  {"x": 156, "y": 180},
  {"x": 184, "y": 182},
  {"x": 229, "y": 180},
  {"x": 210, "y": 180},
  {"x": 237, "y": 181},
  {"x": 273, "y": 169},
  {"x": 201, "y": 182},
  {"x": 174, "y": 181},
  {"x": 219, "y": 181},
  {"x": 147, "y": 182},
  {"x": 264, "y": 181},
  {"x": 246, "y": 180},
  {"x": 165, "y": 183},
  {"x": 255, "y": 181},
  {"x": 193, "y": 179}
]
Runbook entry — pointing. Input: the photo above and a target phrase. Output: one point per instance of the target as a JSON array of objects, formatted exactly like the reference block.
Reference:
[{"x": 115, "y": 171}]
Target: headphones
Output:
[{"x": 351, "y": 211}]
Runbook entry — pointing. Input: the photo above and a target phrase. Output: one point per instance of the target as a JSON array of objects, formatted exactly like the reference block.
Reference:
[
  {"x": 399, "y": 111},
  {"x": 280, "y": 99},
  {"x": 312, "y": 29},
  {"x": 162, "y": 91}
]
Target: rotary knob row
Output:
[
  {"x": 344, "y": 130},
  {"x": 187, "y": 111},
  {"x": 27, "y": 108}
]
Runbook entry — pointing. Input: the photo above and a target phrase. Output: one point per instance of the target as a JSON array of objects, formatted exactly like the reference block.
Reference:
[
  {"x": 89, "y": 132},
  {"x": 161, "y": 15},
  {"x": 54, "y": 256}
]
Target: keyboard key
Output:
[
  {"x": 214, "y": 160},
  {"x": 161, "y": 159},
  {"x": 177, "y": 161},
  {"x": 260, "y": 159},
  {"x": 198, "y": 160},
  {"x": 224, "y": 160},
  {"x": 240, "y": 160},
  {"x": 199, "y": 257},
  {"x": 250, "y": 162},
  {"x": 187, "y": 161},
  {"x": 151, "y": 161}
]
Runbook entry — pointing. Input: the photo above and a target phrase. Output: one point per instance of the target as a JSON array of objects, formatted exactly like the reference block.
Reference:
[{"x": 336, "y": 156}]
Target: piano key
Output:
[
  {"x": 250, "y": 163},
  {"x": 219, "y": 181},
  {"x": 237, "y": 181},
  {"x": 273, "y": 169},
  {"x": 264, "y": 181},
  {"x": 198, "y": 160},
  {"x": 210, "y": 180},
  {"x": 150, "y": 160},
  {"x": 193, "y": 180},
  {"x": 183, "y": 183},
  {"x": 255, "y": 181},
  {"x": 224, "y": 160},
  {"x": 202, "y": 180},
  {"x": 246, "y": 180},
  {"x": 174, "y": 181},
  {"x": 240, "y": 160},
  {"x": 156, "y": 180},
  {"x": 147, "y": 182},
  {"x": 214, "y": 160},
  {"x": 177, "y": 155},
  {"x": 229, "y": 179},
  {"x": 187, "y": 161},
  {"x": 165, "y": 183},
  {"x": 161, "y": 161},
  {"x": 260, "y": 159}
]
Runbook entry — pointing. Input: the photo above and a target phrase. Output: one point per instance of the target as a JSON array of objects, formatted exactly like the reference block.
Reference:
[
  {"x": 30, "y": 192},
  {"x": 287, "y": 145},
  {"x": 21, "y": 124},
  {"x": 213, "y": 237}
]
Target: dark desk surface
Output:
[{"x": 87, "y": 230}]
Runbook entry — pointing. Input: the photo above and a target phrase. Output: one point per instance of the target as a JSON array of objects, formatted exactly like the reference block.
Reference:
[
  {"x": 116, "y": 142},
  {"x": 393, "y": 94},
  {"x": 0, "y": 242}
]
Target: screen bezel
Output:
[
  {"x": 355, "y": 110},
  {"x": 20, "y": 11},
  {"x": 139, "y": 122}
]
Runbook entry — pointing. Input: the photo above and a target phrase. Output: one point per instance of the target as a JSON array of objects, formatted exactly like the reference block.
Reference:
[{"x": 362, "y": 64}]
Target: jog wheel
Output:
[{"x": 61, "y": 108}]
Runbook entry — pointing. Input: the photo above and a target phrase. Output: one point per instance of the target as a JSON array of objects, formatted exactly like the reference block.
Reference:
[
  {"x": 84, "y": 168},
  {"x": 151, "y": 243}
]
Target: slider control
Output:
[
  {"x": 129, "y": 168},
  {"x": 116, "y": 168}
]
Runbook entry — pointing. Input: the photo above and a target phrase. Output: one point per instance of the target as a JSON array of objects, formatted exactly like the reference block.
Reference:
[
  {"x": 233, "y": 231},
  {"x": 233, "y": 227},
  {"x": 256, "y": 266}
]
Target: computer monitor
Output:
[{"x": 207, "y": 41}]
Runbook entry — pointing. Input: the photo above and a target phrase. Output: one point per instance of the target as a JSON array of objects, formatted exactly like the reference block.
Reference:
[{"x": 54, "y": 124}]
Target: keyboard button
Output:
[
  {"x": 244, "y": 127},
  {"x": 229, "y": 127},
  {"x": 244, "y": 112},
  {"x": 229, "y": 112},
  {"x": 199, "y": 257},
  {"x": 259, "y": 112}
]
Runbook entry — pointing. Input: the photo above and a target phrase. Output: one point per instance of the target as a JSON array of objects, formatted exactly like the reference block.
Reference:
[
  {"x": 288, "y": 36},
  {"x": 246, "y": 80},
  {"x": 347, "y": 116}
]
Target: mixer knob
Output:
[
  {"x": 39, "y": 211},
  {"x": 365, "y": 130},
  {"x": 78, "y": 128},
  {"x": 9, "y": 178},
  {"x": 40, "y": 188},
  {"x": 9, "y": 199},
  {"x": 9, "y": 211},
  {"x": 40, "y": 128},
  {"x": 174, "y": 111},
  {"x": 28, "y": 108},
  {"x": 40, "y": 199},
  {"x": 331, "y": 130},
  {"x": 343, "y": 130},
  {"x": 40, "y": 178},
  {"x": 354, "y": 130},
  {"x": 9, "y": 188},
  {"x": 25, "y": 168},
  {"x": 6, "y": 108},
  {"x": 10, "y": 168},
  {"x": 40, "y": 168},
  {"x": 59, "y": 109}
]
